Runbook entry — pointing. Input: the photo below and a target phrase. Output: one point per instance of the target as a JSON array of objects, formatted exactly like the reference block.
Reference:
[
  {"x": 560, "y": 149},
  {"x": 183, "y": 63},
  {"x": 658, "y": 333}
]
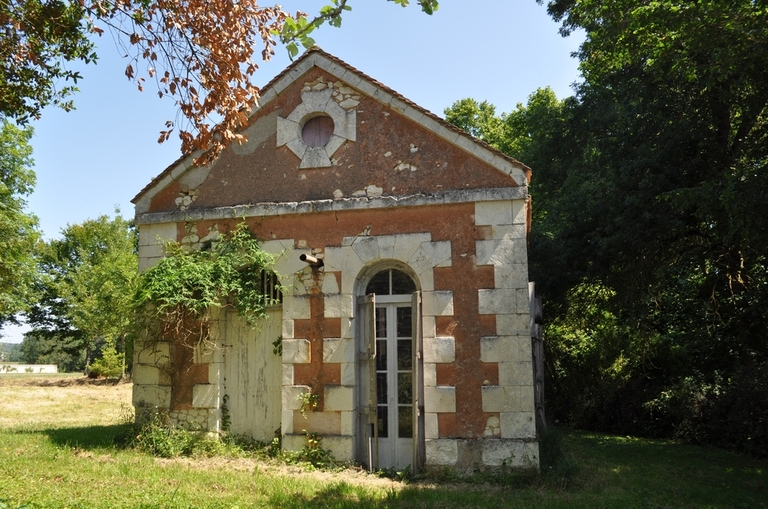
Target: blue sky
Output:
[{"x": 98, "y": 157}]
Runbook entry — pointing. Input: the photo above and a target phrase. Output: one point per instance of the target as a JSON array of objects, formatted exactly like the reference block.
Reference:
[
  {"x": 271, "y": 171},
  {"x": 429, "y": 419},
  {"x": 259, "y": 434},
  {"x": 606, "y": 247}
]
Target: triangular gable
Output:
[{"x": 322, "y": 82}]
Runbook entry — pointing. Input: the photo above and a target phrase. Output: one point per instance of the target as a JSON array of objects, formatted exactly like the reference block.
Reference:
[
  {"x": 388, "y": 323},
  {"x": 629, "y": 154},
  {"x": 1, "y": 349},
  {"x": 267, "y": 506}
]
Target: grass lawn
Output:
[{"x": 57, "y": 451}]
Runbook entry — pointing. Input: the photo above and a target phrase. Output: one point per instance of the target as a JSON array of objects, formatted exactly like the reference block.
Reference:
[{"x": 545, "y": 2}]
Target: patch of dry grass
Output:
[{"x": 46, "y": 402}]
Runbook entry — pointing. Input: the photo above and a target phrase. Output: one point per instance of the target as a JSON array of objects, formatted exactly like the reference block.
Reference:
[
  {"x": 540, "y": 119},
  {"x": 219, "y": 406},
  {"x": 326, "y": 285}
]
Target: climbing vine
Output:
[{"x": 174, "y": 298}]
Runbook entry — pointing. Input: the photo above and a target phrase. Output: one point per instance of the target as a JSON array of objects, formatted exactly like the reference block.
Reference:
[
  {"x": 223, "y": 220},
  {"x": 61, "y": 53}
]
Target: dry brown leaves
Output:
[{"x": 200, "y": 52}]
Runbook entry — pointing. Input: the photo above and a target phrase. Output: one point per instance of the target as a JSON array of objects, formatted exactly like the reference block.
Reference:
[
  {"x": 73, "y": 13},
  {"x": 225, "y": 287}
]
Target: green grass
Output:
[{"x": 72, "y": 462}]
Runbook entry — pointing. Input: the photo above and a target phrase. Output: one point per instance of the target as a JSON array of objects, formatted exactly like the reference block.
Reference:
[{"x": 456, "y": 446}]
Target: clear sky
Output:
[{"x": 98, "y": 157}]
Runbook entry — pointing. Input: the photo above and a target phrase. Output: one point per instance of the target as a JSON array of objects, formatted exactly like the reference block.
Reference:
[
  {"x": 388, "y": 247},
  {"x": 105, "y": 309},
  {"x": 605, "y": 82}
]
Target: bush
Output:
[
  {"x": 158, "y": 437},
  {"x": 110, "y": 365}
]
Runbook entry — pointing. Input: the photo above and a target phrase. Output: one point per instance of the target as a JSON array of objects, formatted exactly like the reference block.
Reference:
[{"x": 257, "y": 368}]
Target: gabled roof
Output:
[{"x": 316, "y": 57}]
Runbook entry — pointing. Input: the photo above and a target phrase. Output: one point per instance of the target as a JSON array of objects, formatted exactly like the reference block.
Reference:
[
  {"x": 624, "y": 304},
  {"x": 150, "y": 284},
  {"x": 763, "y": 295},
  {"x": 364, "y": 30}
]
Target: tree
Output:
[
  {"x": 649, "y": 237},
  {"x": 88, "y": 279},
  {"x": 18, "y": 228},
  {"x": 200, "y": 52},
  {"x": 661, "y": 205},
  {"x": 65, "y": 352},
  {"x": 676, "y": 99}
]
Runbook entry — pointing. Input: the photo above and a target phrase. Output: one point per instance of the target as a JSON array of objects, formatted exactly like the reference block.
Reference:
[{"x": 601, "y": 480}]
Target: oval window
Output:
[{"x": 317, "y": 131}]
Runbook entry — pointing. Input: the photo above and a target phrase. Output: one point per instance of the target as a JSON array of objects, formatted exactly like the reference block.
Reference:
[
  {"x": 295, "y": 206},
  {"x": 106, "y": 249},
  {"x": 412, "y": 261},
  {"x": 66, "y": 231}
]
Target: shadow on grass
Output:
[{"x": 86, "y": 437}]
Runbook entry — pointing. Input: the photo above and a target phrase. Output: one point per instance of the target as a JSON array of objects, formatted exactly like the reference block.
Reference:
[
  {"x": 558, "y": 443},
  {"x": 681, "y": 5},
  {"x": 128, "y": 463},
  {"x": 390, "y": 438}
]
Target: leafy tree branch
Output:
[{"x": 201, "y": 53}]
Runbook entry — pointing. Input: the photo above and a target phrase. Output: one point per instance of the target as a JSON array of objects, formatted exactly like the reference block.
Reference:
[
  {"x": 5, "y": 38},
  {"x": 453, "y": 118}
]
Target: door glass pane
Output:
[
  {"x": 404, "y": 358},
  {"x": 379, "y": 284},
  {"x": 381, "y": 322},
  {"x": 405, "y": 422},
  {"x": 404, "y": 389},
  {"x": 383, "y": 422},
  {"x": 381, "y": 388},
  {"x": 404, "y": 322},
  {"x": 381, "y": 355},
  {"x": 402, "y": 284}
]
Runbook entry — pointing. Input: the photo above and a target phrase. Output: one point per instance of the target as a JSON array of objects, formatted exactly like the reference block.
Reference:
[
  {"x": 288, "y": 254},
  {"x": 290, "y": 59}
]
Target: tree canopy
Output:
[
  {"x": 18, "y": 227},
  {"x": 202, "y": 53},
  {"x": 650, "y": 231},
  {"x": 86, "y": 282}
]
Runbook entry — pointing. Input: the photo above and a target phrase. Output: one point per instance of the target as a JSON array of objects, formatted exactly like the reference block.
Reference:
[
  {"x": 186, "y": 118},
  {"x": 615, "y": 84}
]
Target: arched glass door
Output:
[{"x": 394, "y": 367}]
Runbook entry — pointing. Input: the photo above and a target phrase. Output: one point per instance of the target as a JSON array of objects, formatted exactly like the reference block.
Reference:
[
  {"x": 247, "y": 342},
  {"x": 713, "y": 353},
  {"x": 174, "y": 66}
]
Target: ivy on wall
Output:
[{"x": 174, "y": 298}]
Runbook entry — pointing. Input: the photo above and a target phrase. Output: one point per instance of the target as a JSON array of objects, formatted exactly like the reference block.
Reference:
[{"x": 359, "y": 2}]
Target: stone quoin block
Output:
[
  {"x": 341, "y": 447},
  {"x": 144, "y": 374},
  {"x": 296, "y": 308},
  {"x": 498, "y": 348},
  {"x": 323, "y": 423},
  {"x": 440, "y": 399},
  {"x": 296, "y": 351},
  {"x": 430, "y": 255},
  {"x": 442, "y": 452},
  {"x": 287, "y": 328},
  {"x": 519, "y": 215},
  {"x": 286, "y": 421},
  {"x": 294, "y": 442},
  {"x": 437, "y": 303},
  {"x": 339, "y": 398},
  {"x": 153, "y": 353},
  {"x": 157, "y": 235},
  {"x": 496, "y": 252},
  {"x": 348, "y": 373},
  {"x": 287, "y": 378},
  {"x": 518, "y": 425},
  {"x": 514, "y": 275},
  {"x": 512, "y": 231},
  {"x": 496, "y": 301},
  {"x": 338, "y": 350},
  {"x": 339, "y": 306},
  {"x": 516, "y": 373},
  {"x": 205, "y": 396},
  {"x": 439, "y": 349},
  {"x": 514, "y": 324},
  {"x": 330, "y": 284},
  {"x": 348, "y": 423},
  {"x": 492, "y": 213},
  {"x": 290, "y": 396},
  {"x": 513, "y": 453},
  {"x": 430, "y": 374},
  {"x": 152, "y": 396},
  {"x": 502, "y": 399},
  {"x": 431, "y": 428}
]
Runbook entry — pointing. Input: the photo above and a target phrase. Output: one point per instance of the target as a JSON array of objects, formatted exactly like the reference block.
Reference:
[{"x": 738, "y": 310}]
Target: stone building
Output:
[{"x": 401, "y": 246}]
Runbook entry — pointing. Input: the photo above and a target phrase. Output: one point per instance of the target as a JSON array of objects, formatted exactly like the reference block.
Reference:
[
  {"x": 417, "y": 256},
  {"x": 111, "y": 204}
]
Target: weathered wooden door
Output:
[{"x": 252, "y": 375}]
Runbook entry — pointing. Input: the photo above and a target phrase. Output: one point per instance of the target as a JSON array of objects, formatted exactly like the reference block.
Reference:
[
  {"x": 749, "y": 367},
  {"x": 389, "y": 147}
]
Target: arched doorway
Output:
[{"x": 391, "y": 372}]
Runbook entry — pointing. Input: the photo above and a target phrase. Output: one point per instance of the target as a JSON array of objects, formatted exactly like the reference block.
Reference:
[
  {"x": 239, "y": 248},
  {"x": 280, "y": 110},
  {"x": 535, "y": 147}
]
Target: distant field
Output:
[
  {"x": 61, "y": 399},
  {"x": 57, "y": 451},
  {"x": 35, "y": 378}
]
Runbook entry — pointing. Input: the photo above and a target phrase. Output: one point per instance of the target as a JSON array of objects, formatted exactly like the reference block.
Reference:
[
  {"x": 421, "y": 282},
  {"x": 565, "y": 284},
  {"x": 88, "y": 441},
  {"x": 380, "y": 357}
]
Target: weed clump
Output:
[{"x": 157, "y": 436}]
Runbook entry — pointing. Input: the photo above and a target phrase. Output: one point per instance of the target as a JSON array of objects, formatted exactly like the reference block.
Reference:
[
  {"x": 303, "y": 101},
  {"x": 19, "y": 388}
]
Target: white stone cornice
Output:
[{"x": 318, "y": 206}]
